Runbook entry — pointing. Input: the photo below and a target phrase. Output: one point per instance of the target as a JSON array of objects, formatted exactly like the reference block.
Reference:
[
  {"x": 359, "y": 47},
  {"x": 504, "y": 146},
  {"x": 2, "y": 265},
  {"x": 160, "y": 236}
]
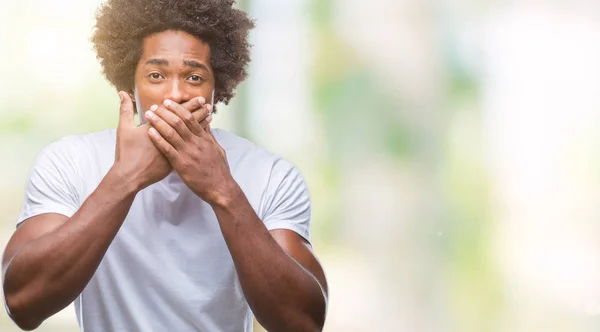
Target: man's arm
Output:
[
  {"x": 50, "y": 258},
  {"x": 282, "y": 280},
  {"x": 284, "y": 284},
  {"x": 301, "y": 251}
]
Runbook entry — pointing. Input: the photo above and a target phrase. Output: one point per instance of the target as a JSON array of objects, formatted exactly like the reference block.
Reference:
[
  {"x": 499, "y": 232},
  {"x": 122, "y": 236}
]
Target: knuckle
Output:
[
  {"x": 169, "y": 134},
  {"x": 191, "y": 105},
  {"x": 184, "y": 166},
  {"x": 177, "y": 122}
]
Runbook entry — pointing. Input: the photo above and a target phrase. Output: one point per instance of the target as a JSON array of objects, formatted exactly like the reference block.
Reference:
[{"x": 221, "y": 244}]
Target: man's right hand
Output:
[{"x": 136, "y": 157}]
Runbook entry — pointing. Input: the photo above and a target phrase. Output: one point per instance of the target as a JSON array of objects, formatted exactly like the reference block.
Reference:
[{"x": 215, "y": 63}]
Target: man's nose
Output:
[{"x": 175, "y": 92}]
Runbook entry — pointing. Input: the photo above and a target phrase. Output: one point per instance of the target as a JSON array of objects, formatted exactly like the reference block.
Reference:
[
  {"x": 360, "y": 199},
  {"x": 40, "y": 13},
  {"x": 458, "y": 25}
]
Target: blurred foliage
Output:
[{"x": 432, "y": 258}]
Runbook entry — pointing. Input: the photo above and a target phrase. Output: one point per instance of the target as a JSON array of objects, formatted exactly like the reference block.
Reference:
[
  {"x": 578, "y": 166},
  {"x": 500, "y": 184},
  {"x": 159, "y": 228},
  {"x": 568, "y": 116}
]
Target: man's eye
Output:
[
  {"x": 155, "y": 76},
  {"x": 195, "y": 78}
]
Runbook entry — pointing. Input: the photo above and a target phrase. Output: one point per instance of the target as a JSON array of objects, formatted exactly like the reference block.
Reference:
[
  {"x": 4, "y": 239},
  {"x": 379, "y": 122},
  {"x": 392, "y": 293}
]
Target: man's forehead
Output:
[{"x": 175, "y": 46}]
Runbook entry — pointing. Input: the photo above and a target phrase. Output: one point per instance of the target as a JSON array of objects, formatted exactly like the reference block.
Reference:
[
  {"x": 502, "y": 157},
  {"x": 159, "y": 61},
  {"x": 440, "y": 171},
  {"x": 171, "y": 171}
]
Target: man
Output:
[{"x": 170, "y": 225}]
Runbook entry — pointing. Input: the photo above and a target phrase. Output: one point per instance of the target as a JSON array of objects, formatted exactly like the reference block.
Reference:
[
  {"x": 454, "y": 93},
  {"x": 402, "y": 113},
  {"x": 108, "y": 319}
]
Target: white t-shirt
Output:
[{"x": 168, "y": 268}]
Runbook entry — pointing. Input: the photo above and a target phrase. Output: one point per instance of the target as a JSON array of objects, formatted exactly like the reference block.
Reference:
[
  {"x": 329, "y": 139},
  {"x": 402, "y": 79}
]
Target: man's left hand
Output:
[{"x": 192, "y": 150}]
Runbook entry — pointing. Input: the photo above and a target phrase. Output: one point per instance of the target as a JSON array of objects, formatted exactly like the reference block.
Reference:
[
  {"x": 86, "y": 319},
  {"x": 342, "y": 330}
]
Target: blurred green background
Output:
[{"x": 450, "y": 147}]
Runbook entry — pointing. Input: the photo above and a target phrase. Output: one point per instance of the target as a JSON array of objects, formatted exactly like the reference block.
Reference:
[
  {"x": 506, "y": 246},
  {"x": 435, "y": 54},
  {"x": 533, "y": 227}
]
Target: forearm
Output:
[
  {"x": 47, "y": 274},
  {"x": 283, "y": 295}
]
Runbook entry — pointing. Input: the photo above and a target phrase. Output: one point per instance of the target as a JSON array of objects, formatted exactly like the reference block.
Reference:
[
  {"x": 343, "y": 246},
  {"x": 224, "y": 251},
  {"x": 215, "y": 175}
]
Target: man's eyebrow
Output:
[
  {"x": 159, "y": 62},
  {"x": 195, "y": 64},
  {"x": 189, "y": 63}
]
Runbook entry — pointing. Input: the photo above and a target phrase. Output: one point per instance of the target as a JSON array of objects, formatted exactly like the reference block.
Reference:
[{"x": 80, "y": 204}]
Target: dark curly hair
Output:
[{"x": 121, "y": 26}]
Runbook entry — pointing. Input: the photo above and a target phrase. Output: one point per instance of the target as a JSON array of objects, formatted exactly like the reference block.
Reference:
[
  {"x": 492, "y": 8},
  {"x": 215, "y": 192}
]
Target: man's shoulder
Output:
[
  {"x": 104, "y": 137},
  {"x": 79, "y": 147},
  {"x": 239, "y": 148},
  {"x": 250, "y": 158}
]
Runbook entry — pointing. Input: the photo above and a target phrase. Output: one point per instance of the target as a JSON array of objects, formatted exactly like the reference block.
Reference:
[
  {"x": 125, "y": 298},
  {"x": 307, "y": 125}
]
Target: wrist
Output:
[
  {"x": 227, "y": 196},
  {"x": 122, "y": 181}
]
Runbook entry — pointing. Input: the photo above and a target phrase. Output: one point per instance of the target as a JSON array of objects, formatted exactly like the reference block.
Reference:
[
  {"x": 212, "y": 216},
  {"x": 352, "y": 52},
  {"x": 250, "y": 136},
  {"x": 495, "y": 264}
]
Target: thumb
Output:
[{"x": 126, "y": 111}]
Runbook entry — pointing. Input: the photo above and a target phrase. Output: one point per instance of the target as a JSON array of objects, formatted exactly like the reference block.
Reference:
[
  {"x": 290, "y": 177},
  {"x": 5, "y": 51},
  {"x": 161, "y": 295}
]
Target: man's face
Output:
[{"x": 174, "y": 65}]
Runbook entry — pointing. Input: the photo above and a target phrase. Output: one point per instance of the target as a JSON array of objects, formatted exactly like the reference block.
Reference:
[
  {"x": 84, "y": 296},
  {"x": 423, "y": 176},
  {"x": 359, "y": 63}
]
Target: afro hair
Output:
[{"x": 121, "y": 26}]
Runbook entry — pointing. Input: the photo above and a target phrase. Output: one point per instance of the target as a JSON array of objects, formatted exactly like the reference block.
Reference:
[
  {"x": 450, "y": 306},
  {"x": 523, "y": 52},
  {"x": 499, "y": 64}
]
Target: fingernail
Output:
[
  {"x": 209, "y": 118},
  {"x": 150, "y": 115},
  {"x": 201, "y": 100},
  {"x": 209, "y": 107},
  {"x": 153, "y": 131},
  {"x": 167, "y": 102},
  {"x": 121, "y": 96},
  {"x": 153, "y": 108}
]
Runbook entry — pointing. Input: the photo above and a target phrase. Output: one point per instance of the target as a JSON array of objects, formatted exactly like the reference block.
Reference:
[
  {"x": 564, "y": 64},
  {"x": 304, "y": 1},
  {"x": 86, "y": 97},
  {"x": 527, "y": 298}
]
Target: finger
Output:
[
  {"x": 194, "y": 104},
  {"x": 184, "y": 112},
  {"x": 178, "y": 121},
  {"x": 201, "y": 119},
  {"x": 163, "y": 145},
  {"x": 203, "y": 124},
  {"x": 126, "y": 111},
  {"x": 164, "y": 129},
  {"x": 206, "y": 122}
]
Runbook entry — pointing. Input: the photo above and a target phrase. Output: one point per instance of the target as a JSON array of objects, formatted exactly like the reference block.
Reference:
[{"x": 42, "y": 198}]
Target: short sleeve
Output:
[
  {"x": 287, "y": 204},
  {"x": 50, "y": 185}
]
